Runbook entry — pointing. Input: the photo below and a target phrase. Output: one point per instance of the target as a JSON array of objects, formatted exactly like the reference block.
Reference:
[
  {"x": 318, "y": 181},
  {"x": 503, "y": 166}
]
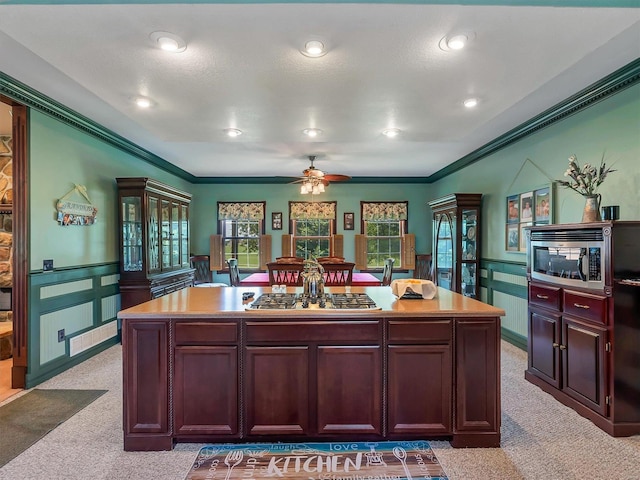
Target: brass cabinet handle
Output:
[
  {"x": 555, "y": 345},
  {"x": 563, "y": 347},
  {"x": 578, "y": 305},
  {"x": 544, "y": 297}
]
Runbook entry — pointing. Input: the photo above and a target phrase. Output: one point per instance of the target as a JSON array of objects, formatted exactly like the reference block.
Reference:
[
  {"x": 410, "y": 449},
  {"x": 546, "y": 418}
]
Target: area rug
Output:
[
  {"x": 317, "y": 461},
  {"x": 28, "y": 418}
]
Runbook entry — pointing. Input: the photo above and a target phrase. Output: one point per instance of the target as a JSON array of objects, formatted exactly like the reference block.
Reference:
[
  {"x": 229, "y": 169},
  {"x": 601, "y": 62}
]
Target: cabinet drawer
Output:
[
  {"x": 206, "y": 333},
  {"x": 544, "y": 296},
  {"x": 437, "y": 331},
  {"x": 586, "y": 305},
  {"x": 302, "y": 332}
]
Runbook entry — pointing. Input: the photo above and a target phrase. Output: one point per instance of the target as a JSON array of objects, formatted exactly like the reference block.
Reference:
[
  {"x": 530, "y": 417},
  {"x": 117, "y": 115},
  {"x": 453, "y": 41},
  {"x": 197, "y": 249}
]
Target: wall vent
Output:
[{"x": 94, "y": 337}]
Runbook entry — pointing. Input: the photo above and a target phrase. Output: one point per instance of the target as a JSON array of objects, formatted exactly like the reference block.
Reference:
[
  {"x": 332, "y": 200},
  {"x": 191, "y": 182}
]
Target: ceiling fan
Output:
[{"x": 314, "y": 180}]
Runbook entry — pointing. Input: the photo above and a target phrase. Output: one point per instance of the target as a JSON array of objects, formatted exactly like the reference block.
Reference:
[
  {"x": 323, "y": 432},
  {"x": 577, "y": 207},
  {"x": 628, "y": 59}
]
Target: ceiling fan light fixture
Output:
[
  {"x": 168, "y": 42},
  {"x": 312, "y": 132},
  {"x": 233, "y": 132},
  {"x": 314, "y": 48},
  {"x": 391, "y": 132}
]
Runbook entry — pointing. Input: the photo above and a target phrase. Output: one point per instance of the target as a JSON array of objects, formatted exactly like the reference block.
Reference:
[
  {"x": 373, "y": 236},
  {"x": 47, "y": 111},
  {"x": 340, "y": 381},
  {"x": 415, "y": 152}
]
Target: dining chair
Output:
[
  {"x": 202, "y": 274},
  {"x": 281, "y": 273},
  {"x": 336, "y": 274},
  {"x": 423, "y": 267},
  {"x": 289, "y": 259},
  {"x": 234, "y": 273},
  {"x": 330, "y": 259},
  {"x": 387, "y": 271}
]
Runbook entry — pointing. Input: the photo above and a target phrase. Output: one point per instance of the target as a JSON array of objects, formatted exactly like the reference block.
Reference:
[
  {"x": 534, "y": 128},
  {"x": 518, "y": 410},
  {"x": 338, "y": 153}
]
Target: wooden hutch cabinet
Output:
[
  {"x": 584, "y": 319},
  {"x": 456, "y": 242},
  {"x": 154, "y": 240}
]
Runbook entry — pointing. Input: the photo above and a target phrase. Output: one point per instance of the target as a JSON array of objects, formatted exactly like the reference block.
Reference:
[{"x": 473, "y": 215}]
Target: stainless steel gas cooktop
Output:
[{"x": 294, "y": 301}]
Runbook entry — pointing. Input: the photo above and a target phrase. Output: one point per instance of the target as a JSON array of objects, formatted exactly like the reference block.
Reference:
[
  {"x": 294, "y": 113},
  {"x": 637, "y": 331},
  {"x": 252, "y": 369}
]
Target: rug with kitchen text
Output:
[{"x": 317, "y": 461}]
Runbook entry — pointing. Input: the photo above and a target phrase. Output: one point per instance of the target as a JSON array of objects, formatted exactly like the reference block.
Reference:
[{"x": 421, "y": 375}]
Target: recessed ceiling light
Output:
[
  {"x": 455, "y": 42},
  {"x": 312, "y": 132},
  {"x": 470, "y": 102},
  {"x": 391, "y": 132},
  {"x": 314, "y": 48},
  {"x": 143, "y": 102},
  {"x": 233, "y": 132},
  {"x": 168, "y": 42}
]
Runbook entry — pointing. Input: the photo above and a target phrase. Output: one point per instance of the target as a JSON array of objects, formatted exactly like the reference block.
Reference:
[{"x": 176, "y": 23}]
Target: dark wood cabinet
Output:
[
  {"x": 153, "y": 240},
  {"x": 456, "y": 242},
  {"x": 582, "y": 341}
]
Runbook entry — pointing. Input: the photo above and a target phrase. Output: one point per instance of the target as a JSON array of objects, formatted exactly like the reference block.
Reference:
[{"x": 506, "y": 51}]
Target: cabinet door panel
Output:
[
  {"x": 477, "y": 375},
  {"x": 584, "y": 363},
  {"x": 206, "y": 390},
  {"x": 146, "y": 377},
  {"x": 349, "y": 390},
  {"x": 544, "y": 340},
  {"x": 419, "y": 389},
  {"x": 277, "y": 390}
]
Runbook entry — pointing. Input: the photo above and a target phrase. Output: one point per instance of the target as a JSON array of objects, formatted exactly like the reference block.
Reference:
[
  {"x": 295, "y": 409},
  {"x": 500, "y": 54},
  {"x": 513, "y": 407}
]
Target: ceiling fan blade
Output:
[{"x": 332, "y": 177}]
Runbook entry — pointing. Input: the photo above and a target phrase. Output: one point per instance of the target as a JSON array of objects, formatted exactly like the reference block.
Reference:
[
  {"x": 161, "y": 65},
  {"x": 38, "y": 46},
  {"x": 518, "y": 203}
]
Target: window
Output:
[
  {"x": 241, "y": 226},
  {"x": 313, "y": 225},
  {"x": 384, "y": 235}
]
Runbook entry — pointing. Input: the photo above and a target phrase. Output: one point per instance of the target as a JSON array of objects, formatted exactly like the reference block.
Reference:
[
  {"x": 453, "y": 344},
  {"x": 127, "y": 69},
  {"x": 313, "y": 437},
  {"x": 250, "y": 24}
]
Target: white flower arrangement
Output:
[{"x": 585, "y": 180}]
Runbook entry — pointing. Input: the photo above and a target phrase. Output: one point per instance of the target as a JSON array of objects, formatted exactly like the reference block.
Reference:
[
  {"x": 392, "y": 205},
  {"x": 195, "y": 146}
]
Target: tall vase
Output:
[{"x": 591, "y": 212}]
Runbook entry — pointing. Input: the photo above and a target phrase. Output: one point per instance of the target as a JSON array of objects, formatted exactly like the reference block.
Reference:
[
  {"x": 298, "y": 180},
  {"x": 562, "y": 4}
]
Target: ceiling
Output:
[{"x": 385, "y": 67}]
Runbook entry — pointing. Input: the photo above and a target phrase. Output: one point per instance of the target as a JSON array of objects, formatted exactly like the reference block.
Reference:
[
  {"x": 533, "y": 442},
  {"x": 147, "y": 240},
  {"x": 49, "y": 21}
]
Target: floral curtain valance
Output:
[
  {"x": 306, "y": 210},
  {"x": 376, "y": 211},
  {"x": 241, "y": 211}
]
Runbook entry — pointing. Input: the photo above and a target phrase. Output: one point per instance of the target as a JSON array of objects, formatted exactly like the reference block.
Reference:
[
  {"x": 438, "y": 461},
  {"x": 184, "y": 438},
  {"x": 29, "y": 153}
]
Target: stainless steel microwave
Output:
[{"x": 569, "y": 257}]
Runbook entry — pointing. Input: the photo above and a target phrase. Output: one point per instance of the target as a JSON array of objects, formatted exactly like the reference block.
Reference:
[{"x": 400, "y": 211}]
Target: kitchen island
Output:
[{"x": 199, "y": 365}]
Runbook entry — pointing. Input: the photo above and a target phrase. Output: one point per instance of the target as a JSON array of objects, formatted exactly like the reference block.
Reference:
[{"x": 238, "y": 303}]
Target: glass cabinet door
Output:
[
  {"x": 131, "y": 234},
  {"x": 175, "y": 235},
  {"x": 444, "y": 252},
  {"x": 184, "y": 235},
  {"x": 154, "y": 235},
  {"x": 165, "y": 229},
  {"x": 468, "y": 281}
]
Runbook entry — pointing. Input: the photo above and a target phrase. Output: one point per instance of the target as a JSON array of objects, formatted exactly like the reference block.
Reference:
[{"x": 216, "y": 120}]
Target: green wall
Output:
[
  {"x": 61, "y": 156},
  {"x": 611, "y": 126}
]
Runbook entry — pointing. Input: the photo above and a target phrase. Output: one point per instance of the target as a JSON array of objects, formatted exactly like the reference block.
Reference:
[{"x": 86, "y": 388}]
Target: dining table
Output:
[{"x": 261, "y": 279}]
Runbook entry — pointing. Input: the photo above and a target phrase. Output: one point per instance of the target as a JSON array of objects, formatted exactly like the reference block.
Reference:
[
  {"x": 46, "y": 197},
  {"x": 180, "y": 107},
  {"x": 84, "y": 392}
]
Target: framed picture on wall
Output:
[
  {"x": 348, "y": 221},
  {"x": 276, "y": 221},
  {"x": 542, "y": 201},
  {"x": 512, "y": 236},
  {"x": 526, "y": 207},
  {"x": 513, "y": 209},
  {"x": 523, "y": 237}
]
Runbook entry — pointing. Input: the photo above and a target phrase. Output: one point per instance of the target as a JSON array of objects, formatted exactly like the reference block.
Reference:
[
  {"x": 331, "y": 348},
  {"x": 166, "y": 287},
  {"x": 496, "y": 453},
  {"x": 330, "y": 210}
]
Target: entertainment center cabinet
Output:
[{"x": 583, "y": 343}]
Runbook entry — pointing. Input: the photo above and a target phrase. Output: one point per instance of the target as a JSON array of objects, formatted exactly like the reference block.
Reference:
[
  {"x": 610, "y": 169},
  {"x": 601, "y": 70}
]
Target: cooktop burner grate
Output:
[{"x": 290, "y": 301}]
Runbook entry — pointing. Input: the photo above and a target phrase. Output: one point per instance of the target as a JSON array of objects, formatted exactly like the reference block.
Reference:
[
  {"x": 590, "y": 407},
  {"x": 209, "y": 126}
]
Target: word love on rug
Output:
[{"x": 317, "y": 461}]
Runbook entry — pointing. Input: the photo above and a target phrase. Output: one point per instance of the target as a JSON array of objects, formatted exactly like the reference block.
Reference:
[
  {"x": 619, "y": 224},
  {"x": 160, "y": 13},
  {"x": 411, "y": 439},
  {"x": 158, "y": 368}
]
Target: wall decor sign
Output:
[
  {"x": 71, "y": 212},
  {"x": 348, "y": 221},
  {"x": 523, "y": 210},
  {"x": 276, "y": 221}
]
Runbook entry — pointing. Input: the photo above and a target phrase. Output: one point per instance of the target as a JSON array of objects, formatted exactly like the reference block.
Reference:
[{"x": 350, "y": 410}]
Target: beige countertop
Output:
[{"x": 225, "y": 302}]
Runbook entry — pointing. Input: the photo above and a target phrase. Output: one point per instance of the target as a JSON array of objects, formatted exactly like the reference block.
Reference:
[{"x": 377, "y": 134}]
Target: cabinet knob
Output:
[
  {"x": 563, "y": 347},
  {"x": 555, "y": 345},
  {"x": 543, "y": 297},
  {"x": 579, "y": 305}
]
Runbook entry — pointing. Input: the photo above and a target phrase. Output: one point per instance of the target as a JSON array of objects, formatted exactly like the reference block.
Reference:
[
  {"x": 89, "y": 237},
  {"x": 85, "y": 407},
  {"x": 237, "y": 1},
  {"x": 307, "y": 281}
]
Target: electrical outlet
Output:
[
  {"x": 47, "y": 265},
  {"x": 61, "y": 335}
]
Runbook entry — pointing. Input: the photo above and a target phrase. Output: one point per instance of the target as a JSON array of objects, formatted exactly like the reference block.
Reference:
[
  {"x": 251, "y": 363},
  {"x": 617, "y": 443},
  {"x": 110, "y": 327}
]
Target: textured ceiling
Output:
[{"x": 242, "y": 68}]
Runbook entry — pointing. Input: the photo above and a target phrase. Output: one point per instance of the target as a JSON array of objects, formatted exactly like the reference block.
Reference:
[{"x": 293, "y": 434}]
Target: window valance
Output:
[
  {"x": 315, "y": 210},
  {"x": 381, "y": 211},
  {"x": 241, "y": 211}
]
